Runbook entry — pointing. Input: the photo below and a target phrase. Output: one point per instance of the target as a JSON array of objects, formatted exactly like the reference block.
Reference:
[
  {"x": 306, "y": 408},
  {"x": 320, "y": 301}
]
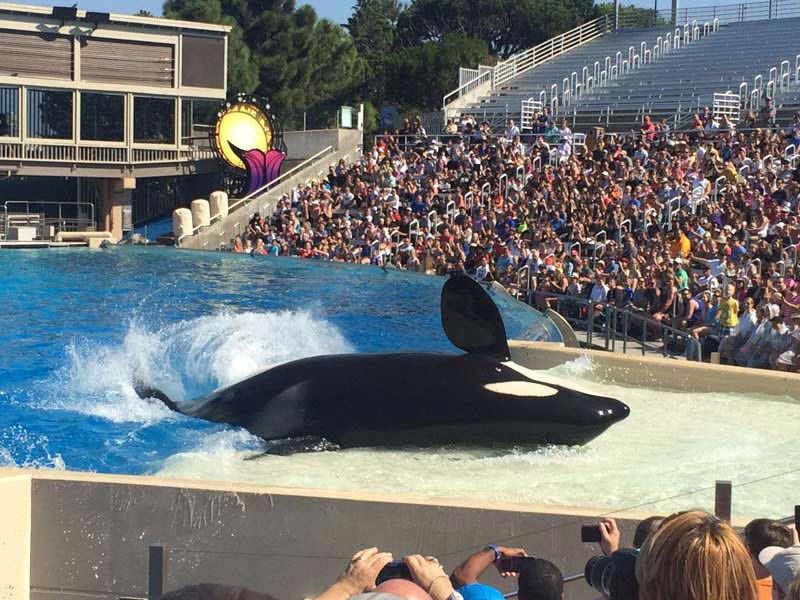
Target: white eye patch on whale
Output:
[{"x": 524, "y": 389}]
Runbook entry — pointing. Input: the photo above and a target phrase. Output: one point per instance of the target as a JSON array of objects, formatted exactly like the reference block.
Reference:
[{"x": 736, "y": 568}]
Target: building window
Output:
[
  {"x": 50, "y": 114},
  {"x": 102, "y": 117},
  {"x": 197, "y": 119},
  {"x": 9, "y": 112},
  {"x": 153, "y": 120}
]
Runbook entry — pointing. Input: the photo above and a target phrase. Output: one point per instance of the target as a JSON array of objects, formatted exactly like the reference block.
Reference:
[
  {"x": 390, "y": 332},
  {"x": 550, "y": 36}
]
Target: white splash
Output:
[{"x": 186, "y": 360}]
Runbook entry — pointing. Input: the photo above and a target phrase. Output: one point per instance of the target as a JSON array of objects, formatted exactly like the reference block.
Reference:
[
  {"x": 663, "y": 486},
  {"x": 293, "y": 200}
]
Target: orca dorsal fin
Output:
[{"x": 471, "y": 320}]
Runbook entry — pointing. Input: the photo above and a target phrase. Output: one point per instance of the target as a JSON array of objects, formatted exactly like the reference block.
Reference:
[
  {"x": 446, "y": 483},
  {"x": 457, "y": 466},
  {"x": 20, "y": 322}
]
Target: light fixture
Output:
[
  {"x": 98, "y": 18},
  {"x": 65, "y": 13}
]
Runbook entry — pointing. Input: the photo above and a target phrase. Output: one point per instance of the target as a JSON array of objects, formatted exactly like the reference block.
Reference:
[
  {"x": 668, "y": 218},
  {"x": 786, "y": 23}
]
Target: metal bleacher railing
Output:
[
  {"x": 620, "y": 88},
  {"x": 533, "y": 57}
]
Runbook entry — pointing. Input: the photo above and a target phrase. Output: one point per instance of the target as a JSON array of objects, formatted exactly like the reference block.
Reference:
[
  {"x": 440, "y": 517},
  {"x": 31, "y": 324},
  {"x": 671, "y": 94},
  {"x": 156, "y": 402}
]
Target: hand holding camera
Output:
[
  {"x": 429, "y": 574},
  {"x": 509, "y": 563},
  {"x": 363, "y": 569}
]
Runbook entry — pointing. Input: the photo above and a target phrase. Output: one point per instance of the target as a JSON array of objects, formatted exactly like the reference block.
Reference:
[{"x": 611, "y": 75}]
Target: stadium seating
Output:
[{"x": 736, "y": 57}]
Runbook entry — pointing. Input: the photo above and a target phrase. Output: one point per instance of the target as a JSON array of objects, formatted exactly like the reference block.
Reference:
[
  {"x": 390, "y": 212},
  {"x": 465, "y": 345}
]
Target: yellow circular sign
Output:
[{"x": 245, "y": 126}]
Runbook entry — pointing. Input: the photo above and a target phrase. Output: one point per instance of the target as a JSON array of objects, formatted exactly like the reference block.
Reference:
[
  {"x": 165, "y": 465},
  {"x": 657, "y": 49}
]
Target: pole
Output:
[
  {"x": 616, "y": 14},
  {"x": 674, "y": 12}
]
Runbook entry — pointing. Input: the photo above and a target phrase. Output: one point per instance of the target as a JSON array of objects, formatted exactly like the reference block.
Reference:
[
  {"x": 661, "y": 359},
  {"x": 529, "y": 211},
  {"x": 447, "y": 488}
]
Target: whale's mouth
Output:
[{"x": 503, "y": 433}]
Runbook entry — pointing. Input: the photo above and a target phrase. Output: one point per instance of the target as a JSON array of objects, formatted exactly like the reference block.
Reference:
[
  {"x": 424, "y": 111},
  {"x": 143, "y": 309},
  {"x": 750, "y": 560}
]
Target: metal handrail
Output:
[
  {"x": 472, "y": 84},
  {"x": 78, "y": 221},
  {"x": 614, "y": 317},
  {"x": 252, "y": 195},
  {"x": 533, "y": 57}
]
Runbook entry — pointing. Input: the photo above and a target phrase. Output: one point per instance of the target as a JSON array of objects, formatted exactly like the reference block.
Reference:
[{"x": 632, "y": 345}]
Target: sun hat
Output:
[{"x": 782, "y": 563}]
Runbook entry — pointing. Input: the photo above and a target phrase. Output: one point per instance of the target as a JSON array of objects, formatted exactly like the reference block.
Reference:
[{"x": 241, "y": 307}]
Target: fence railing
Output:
[
  {"x": 260, "y": 191},
  {"x": 62, "y": 216},
  {"x": 482, "y": 75},
  {"x": 613, "y": 325},
  {"x": 533, "y": 57},
  {"x": 60, "y": 152},
  {"x": 732, "y": 13}
]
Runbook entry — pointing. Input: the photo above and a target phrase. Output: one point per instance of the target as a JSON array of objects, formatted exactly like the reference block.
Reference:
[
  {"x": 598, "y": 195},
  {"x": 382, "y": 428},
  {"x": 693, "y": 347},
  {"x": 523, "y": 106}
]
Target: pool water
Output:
[{"x": 77, "y": 327}]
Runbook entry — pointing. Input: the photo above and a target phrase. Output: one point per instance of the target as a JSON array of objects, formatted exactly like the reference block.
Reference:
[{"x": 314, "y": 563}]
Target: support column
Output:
[
  {"x": 114, "y": 196},
  {"x": 674, "y": 12}
]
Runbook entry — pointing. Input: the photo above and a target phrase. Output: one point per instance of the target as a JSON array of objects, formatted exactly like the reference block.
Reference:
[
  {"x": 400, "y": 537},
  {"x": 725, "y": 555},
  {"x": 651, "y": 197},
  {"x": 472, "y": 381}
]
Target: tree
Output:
[
  {"x": 506, "y": 26},
  {"x": 144, "y": 13},
  {"x": 280, "y": 52},
  {"x": 419, "y": 76},
  {"x": 633, "y": 16},
  {"x": 373, "y": 29}
]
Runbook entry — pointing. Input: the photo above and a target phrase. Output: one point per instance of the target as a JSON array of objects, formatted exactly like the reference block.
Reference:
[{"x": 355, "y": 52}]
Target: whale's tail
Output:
[{"x": 144, "y": 390}]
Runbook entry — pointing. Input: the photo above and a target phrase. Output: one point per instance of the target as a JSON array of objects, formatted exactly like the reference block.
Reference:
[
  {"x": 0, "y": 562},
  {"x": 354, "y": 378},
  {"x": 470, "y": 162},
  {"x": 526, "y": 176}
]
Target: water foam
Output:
[
  {"x": 31, "y": 450},
  {"x": 186, "y": 360}
]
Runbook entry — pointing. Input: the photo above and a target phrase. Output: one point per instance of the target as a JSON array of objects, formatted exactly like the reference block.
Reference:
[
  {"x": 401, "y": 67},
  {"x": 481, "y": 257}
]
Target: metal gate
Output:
[
  {"x": 530, "y": 110},
  {"x": 727, "y": 104}
]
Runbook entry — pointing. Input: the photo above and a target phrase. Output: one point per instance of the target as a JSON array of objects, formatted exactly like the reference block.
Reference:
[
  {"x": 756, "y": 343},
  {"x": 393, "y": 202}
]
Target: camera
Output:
[
  {"x": 615, "y": 575},
  {"x": 396, "y": 569}
]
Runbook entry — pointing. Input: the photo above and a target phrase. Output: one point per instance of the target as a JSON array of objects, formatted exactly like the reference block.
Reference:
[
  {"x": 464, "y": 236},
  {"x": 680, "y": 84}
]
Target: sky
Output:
[{"x": 336, "y": 10}]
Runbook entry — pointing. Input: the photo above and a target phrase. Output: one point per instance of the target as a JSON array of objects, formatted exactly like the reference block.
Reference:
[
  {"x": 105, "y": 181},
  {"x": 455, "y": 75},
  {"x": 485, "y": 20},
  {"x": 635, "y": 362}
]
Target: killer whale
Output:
[{"x": 414, "y": 398}]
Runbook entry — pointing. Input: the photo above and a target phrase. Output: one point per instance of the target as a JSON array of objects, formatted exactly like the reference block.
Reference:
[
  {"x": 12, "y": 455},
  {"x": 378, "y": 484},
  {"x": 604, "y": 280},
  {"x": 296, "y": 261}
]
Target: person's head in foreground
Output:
[
  {"x": 784, "y": 566},
  {"x": 210, "y": 591},
  {"x": 540, "y": 579},
  {"x": 763, "y": 533},
  {"x": 428, "y": 579},
  {"x": 695, "y": 556}
]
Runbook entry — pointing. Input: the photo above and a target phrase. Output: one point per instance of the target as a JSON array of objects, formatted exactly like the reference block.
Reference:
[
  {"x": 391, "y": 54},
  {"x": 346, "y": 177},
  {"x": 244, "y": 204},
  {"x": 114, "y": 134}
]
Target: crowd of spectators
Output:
[
  {"x": 694, "y": 230},
  {"x": 687, "y": 556}
]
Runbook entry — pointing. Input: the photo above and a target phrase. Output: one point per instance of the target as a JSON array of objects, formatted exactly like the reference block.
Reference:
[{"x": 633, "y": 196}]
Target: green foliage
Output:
[
  {"x": 280, "y": 52},
  {"x": 506, "y": 26},
  {"x": 373, "y": 27},
  {"x": 421, "y": 75},
  {"x": 633, "y": 16},
  {"x": 389, "y": 50}
]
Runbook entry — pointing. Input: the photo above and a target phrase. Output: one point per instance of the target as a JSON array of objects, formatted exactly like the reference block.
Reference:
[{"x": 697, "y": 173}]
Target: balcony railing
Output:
[{"x": 46, "y": 151}]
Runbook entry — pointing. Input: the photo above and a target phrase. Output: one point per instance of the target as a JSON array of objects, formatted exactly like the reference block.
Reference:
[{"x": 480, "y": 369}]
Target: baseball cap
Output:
[
  {"x": 479, "y": 591},
  {"x": 782, "y": 563}
]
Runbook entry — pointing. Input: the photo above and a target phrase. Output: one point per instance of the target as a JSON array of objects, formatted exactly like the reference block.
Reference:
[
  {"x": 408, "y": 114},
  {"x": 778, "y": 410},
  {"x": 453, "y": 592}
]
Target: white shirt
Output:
[{"x": 599, "y": 292}]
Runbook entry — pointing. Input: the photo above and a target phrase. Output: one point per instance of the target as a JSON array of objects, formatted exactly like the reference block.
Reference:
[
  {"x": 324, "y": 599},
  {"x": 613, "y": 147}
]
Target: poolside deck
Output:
[{"x": 27, "y": 245}]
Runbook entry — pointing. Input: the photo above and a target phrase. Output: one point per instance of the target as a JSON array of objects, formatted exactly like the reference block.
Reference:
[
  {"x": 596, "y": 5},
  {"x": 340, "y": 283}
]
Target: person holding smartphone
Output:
[{"x": 539, "y": 579}]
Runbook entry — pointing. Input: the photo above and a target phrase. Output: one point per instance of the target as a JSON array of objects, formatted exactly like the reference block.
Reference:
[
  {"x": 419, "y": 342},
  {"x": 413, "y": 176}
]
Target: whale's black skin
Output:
[{"x": 397, "y": 399}]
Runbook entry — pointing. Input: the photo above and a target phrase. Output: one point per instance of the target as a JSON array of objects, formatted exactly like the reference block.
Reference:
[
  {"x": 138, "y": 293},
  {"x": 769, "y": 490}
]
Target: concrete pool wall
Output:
[{"x": 83, "y": 535}]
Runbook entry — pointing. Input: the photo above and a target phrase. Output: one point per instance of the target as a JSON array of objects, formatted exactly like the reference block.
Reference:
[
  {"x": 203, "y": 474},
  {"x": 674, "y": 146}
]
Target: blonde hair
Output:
[{"x": 695, "y": 556}]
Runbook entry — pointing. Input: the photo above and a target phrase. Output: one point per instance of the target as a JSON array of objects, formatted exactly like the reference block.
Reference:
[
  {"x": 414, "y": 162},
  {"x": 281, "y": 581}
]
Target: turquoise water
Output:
[{"x": 77, "y": 327}]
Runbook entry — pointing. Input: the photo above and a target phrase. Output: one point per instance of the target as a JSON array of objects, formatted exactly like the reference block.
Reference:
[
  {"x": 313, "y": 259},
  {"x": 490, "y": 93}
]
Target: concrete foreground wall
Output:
[{"x": 87, "y": 535}]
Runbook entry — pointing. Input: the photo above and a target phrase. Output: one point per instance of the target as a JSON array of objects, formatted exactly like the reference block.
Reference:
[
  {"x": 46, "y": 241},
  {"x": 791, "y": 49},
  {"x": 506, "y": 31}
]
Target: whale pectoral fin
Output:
[
  {"x": 144, "y": 390},
  {"x": 471, "y": 320},
  {"x": 289, "y": 446}
]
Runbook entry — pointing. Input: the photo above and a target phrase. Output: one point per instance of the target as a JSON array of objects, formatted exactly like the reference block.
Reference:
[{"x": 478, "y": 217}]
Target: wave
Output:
[{"x": 186, "y": 360}]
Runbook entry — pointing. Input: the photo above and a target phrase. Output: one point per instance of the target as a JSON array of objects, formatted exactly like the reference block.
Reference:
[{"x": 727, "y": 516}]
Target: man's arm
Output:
[{"x": 471, "y": 569}]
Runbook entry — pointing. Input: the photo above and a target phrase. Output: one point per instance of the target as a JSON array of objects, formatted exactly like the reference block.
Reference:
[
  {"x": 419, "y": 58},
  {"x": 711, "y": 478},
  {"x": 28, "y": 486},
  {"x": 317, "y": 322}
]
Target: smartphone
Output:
[
  {"x": 797, "y": 517},
  {"x": 513, "y": 564},
  {"x": 396, "y": 569},
  {"x": 591, "y": 534}
]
